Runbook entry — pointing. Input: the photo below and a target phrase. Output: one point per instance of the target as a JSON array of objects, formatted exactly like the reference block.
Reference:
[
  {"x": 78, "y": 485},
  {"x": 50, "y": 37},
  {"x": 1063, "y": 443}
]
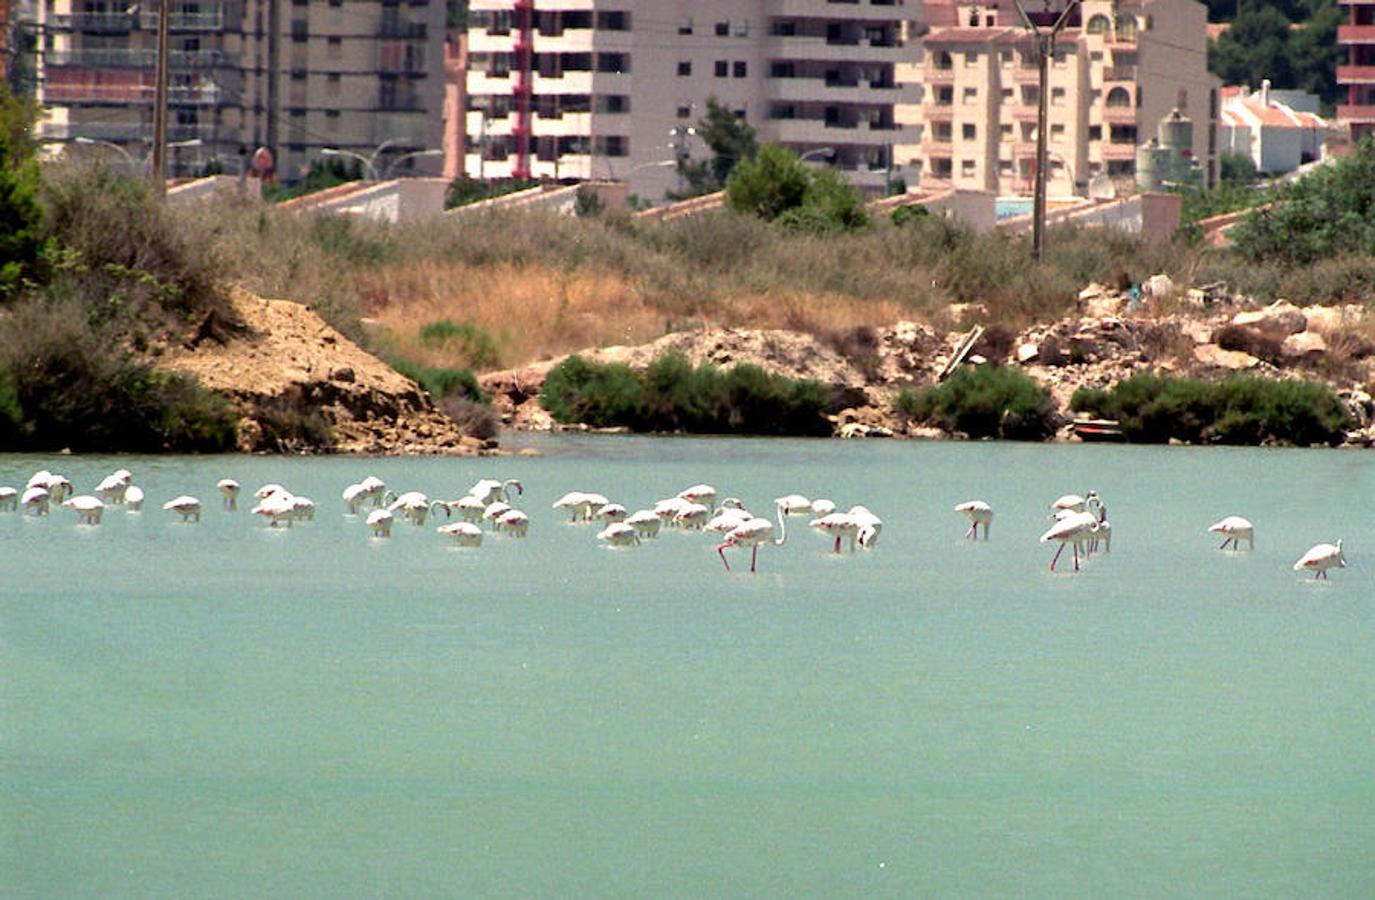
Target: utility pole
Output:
[
  {"x": 1045, "y": 48},
  {"x": 160, "y": 102},
  {"x": 272, "y": 99}
]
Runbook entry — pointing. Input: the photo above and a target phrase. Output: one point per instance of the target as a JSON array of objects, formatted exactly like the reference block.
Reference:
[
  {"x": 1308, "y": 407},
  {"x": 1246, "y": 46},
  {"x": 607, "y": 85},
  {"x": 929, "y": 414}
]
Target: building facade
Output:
[
  {"x": 596, "y": 89},
  {"x": 1275, "y": 136},
  {"x": 361, "y": 77},
  {"x": 1356, "y": 35},
  {"x": 1116, "y": 70}
]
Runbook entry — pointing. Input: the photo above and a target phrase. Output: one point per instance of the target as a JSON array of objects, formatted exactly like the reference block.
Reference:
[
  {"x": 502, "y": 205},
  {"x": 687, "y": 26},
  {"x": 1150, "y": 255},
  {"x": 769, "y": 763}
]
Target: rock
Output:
[
  {"x": 1101, "y": 305},
  {"x": 1214, "y": 356},
  {"x": 1329, "y": 319},
  {"x": 1158, "y": 287},
  {"x": 1305, "y": 345},
  {"x": 1027, "y": 352},
  {"x": 1280, "y": 317},
  {"x": 967, "y": 313},
  {"x": 345, "y": 375}
]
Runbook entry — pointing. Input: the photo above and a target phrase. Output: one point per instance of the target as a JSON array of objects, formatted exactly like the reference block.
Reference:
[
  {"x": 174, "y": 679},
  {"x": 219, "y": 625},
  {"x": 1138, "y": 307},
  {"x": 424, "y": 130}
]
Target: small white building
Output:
[{"x": 1277, "y": 137}]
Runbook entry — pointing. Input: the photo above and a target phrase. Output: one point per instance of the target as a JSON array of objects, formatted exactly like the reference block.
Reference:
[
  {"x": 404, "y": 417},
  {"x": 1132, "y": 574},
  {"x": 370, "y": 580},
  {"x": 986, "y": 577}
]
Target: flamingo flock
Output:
[{"x": 1079, "y": 522}]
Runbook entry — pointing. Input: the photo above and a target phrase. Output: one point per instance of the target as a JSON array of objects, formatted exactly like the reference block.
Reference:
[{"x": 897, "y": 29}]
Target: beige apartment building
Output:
[
  {"x": 357, "y": 76},
  {"x": 595, "y": 89},
  {"x": 1124, "y": 66}
]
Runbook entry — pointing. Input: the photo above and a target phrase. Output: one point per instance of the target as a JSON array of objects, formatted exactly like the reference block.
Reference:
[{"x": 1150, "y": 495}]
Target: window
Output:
[
  {"x": 1057, "y": 96},
  {"x": 1060, "y": 58},
  {"x": 740, "y": 113},
  {"x": 971, "y": 95},
  {"x": 739, "y": 69},
  {"x": 1004, "y": 167},
  {"x": 300, "y": 31},
  {"x": 722, "y": 29},
  {"x": 684, "y": 68},
  {"x": 1119, "y": 97},
  {"x": 1057, "y": 131},
  {"x": 613, "y": 20},
  {"x": 968, "y": 131},
  {"x": 612, "y": 145},
  {"x": 1005, "y": 57},
  {"x": 334, "y": 48},
  {"x": 967, "y": 167},
  {"x": 1005, "y": 132},
  {"x": 613, "y": 103},
  {"x": 742, "y": 29},
  {"x": 685, "y": 112},
  {"x": 685, "y": 27},
  {"x": 971, "y": 58},
  {"x": 1095, "y": 132},
  {"x": 1097, "y": 24},
  {"x": 722, "y": 68},
  {"x": 618, "y": 63},
  {"x": 1007, "y": 95}
]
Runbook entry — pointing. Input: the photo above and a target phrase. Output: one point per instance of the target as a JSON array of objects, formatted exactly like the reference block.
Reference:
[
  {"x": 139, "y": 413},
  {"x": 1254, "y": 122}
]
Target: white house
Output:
[{"x": 1277, "y": 137}]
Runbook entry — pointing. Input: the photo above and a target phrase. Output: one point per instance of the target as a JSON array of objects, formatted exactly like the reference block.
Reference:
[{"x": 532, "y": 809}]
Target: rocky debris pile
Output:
[{"x": 284, "y": 368}]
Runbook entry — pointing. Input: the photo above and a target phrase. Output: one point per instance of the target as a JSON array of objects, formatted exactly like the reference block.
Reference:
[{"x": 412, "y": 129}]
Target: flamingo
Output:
[
  {"x": 470, "y": 508},
  {"x": 302, "y": 508},
  {"x": 1233, "y": 529},
  {"x": 494, "y": 511},
  {"x": 667, "y": 510},
  {"x": 39, "y": 479},
  {"x": 619, "y": 534},
  {"x": 379, "y": 520},
  {"x": 489, "y": 489},
  {"x": 978, "y": 513},
  {"x": 465, "y": 534},
  {"x": 1072, "y": 528},
  {"x": 869, "y": 526},
  {"x": 88, "y": 508},
  {"x": 793, "y": 505},
  {"x": 580, "y": 502},
  {"x": 821, "y": 507},
  {"x": 646, "y": 523},
  {"x": 692, "y": 516},
  {"x": 375, "y": 488},
  {"x": 752, "y": 533},
  {"x": 276, "y": 507},
  {"x": 269, "y": 489},
  {"x": 229, "y": 491},
  {"x": 188, "y": 507},
  {"x": 112, "y": 487},
  {"x": 1069, "y": 502},
  {"x": 9, "y": 498},
  {"x": 354, "y": 496},
  {"x": 59, "y": 488},
  {"x": 612, "y": 512},
  {"x": 1104, "y": 532},
  {"x": 730, "y": 518},
  {"x": 841, "y": 525},
  {"x": 703, "y": 494},
  {"x": 35, "y": 500},
  {"x": 1320, "y": 558},
  {"x": 414, "y": 505},
  {"x": 133, "y": 498},
  {"x": 514, "y": 522}
]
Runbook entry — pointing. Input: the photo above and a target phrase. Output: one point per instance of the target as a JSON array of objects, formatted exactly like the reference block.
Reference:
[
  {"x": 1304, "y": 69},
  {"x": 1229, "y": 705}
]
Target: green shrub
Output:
[
  {"x": 473, "y": 342},
  {"x": 673, "y": 395},
  {"x": 1239, "y": 409},
  {"x": 22, "y": 244},
  {"x": 440, "y": 383},
  {"x": 984, "y": 401},
  {"x": 906, "y": 215}
]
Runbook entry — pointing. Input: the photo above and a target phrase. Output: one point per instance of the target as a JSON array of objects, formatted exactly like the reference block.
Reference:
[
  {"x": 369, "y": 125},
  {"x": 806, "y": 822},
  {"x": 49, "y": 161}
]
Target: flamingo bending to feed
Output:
[
  {"x": 469, "y": 508},
  {"x": 88, "y": 508},
  {"x": 619, "y": 534},
  {"x": 112, "y": 487},
  {"x": 489, "y": 490},
  {"x": 465, "y": 534},
  {"x": 59, "y": 488},
  {"x": 646, "y": 523},
  {"x": 1234, "y": 529},
  {"x": 612, "y": 512},
  {"x": 9, "y": 498},
  {"x": 229, "y": 490},
  {"x": 704, "y": 494},
  {"x": 354, "y": 496},
  {"x": 728, "y": 519},
  {"x": 133, "y": 498},
  {"x": 276, "y": 507},
  {"x": 36, "y": 500},
  {"x": 581, "y": 503},
  {"x": 302, "y": 508},
  {"x": 978, "y": 513},
  {"x": 414, "y": 505},
  {"x": 188, "y": 507},
  {"x": 821, "y": 507},
  {"x": 841, "y": 525},
  {"x": 494, "y": 511},
  {"x": 1071, "y": 528},
  {"x": 379, "y": 520},
  {"x": 514, "y": 523},
  {"x": 375, "y": 488},
  {"x": 1320, "y": 558},
  {"x": 869, "y": 524},
  {"x": 752, "y": 533},
  {"x": 794, "y": 505}
]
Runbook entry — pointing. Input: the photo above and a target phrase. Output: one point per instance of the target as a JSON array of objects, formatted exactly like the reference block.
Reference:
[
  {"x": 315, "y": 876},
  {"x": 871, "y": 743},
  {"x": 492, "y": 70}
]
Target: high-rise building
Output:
[
  {"x": 1120, "y": 67},
  {"x": 1356, "y": 34},
  {"x": 591, "y": 88},
  {"x": 365, "y": 78}
]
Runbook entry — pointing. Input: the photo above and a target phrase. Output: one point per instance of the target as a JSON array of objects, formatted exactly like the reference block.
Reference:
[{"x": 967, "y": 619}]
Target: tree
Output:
[
  {"x": 731, "y": 141},
  {"x": 769, "y": 185},
  {"x": 21, "y": 215},
  {"x": 1291, "y": 42},
  {"x": 456, "y": 14}
]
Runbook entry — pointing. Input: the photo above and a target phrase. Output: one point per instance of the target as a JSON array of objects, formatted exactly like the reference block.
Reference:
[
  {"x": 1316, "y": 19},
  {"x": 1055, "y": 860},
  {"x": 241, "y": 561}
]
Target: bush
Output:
[
  {"x": 769, "y": 185},
  {"x": 984, "y": 401},
  {"x": 22, "y": 244},
  {"x": 1237, "y": 410},
  {"x": 673, "y": 395},
  {"x": 473, "y": 342},
  {"x": 441, "y": 383},
  {"x": 906, "y": 215}
]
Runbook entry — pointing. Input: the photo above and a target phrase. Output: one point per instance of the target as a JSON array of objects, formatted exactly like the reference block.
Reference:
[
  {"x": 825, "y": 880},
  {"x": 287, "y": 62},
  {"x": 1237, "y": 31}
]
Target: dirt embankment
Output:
[
  {"x": 295, "y": 380},
  {"x": 1206, "y": 334}
]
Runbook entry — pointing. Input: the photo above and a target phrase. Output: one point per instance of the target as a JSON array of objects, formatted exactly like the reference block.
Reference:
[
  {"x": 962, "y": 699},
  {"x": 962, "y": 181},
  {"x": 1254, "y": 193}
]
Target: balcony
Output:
[
  {"x": 1119, "y": 151},
  {"x": 91, "y": 91},
  {"x": 1025, "y": 114},
  {"x": 938, "y": 112},
  {"x": 1119, "y": 73},
  {"x": 940, "y": 76},
  {"x": 1355, "y": 74},
  {"x": 406, "y": 31},
  {"x": 184, "y": 20},
  {"x": 818, "y": 48},
  {"x": 937, "y": 147},
  {"x": 1356, "y": 113},
  {"x": 1356, "y": 34},
  {"x": 93, "y": 22},
  {"x": 127, "y": 58},
  {"x": 1119, "y": 115},
  {"x": 1026, "y": 75}
]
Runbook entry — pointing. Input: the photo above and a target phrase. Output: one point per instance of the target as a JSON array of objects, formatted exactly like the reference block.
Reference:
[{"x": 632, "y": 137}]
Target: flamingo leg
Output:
[
  {"x": 721, "y": 551},
  {"x": 1225, "y": 543},
  {"x": 754, "y": 557},
  {"x": 1076, "y": 557},
  {"x": 973, "y": 532},
  {"x": 1056, "y": 558},
  {"x": 837, "y": 549}
]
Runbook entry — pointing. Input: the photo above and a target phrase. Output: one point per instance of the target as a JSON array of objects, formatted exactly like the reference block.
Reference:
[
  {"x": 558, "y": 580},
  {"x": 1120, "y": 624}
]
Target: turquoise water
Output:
[{"x": 225, "y": 710}]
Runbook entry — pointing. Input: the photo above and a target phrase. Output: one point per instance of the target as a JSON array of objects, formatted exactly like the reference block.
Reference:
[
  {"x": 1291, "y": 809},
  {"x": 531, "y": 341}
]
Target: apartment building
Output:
[
  {"x": 592, "y": 88},
  {"x": 361, "y": 77},
  {"x": 1117, "y": 70},
  {"x": 1356, "y": 35}
]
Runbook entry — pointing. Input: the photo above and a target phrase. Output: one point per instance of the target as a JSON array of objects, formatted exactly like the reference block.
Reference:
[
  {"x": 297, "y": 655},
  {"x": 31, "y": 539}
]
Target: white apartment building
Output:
[
  {"x": 604, "y": 89},
  {"x": 1115, "y": 74},
  {"x": 297, "y": 77}
]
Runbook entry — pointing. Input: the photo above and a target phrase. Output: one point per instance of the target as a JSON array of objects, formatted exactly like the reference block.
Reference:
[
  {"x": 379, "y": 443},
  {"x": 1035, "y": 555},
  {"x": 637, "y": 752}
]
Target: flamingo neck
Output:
[{"x": 782, "y": 527}]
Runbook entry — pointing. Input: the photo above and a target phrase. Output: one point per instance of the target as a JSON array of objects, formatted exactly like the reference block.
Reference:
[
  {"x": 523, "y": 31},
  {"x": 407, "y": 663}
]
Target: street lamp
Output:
[
  {"x": 386, "y": 173},
  {"x": 819, "y": 151},
  {"x": 368, "y": 171},
  {"x": 658, "y": 163},
  {"x": 128, "y": 157}
]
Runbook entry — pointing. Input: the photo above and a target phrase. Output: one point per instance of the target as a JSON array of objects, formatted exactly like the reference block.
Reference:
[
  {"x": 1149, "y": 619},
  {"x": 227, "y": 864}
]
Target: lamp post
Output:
[
  {"x": 369, "y": 172},
  {"x": 128, "y": 157},
  {"x": 818, "y": 151},
  {"x": 1045, "y": 48},
  {"x": 386, "y": 173}
]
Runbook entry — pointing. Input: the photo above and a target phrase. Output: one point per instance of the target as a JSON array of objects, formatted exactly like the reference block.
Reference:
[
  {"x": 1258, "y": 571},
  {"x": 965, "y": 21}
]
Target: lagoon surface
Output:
[{"x": 229, "y": 710}]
